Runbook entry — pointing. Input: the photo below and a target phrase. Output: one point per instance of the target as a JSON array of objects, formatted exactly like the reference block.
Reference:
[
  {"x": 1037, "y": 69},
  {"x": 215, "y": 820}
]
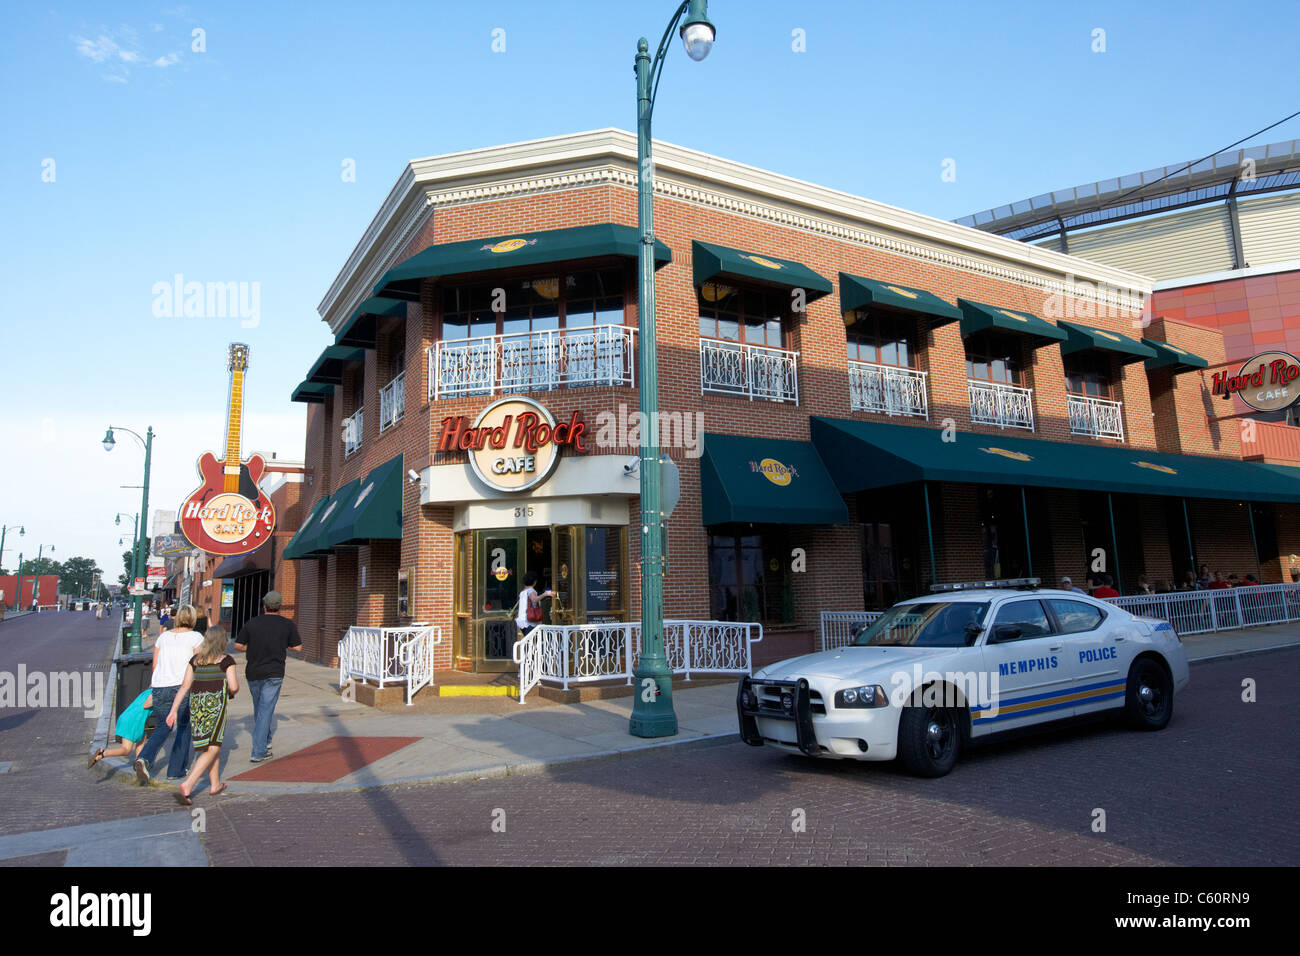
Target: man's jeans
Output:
[
  {"x": 163, "y": 697},
  {"x": 265, "y": 695}
]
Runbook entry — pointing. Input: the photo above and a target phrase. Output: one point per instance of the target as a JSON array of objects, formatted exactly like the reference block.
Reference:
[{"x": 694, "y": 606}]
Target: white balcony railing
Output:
[
  {"x": 353, "y": 429},
  {"x": 1007, "y": 406},
  {"x": 392, "y": 402},
  {"x": 532, "y": 361},
  {"x": 1097, "y": 417},
  {"x": 754, "y": 371},
  {"x": 887, "y": 389}
]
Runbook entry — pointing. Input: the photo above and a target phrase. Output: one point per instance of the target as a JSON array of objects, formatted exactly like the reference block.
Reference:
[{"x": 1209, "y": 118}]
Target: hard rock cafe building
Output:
[{"x": 859, "y": 401}]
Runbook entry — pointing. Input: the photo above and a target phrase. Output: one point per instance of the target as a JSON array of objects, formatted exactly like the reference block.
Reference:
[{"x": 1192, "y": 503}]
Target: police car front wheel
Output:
[
  {"x": 1149, "y": 701},
  {"x": 929, "y": 739}
]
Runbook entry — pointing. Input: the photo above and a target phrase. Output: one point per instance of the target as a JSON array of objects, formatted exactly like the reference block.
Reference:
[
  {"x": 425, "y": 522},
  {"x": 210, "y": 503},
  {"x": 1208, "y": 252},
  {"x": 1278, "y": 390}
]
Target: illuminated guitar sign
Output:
[{"x": 229, "y": 513}]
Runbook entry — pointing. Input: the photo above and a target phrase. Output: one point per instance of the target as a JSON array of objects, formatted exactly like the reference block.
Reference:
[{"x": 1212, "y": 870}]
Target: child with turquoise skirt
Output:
[{"x": 130, "y": 727}]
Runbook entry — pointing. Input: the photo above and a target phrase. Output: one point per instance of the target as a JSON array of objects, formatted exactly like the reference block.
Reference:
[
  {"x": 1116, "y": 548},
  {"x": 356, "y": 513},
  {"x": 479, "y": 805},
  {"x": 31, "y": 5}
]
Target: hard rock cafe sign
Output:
[
  {"x": 514, "y": 444},
  {"x": 1266, "y": 382}
]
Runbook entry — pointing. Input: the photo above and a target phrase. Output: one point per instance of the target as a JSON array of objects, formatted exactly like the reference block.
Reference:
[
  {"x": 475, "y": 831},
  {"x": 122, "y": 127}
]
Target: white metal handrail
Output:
[
  {"x": 390, "y": 655},
  {"x": 582, "y": 653},
  {"x": 1223, "y": 609},
  {"x": 1097, "y": 417},
  {"x": 996, "y": 403},
  {"x": 533, "y": 361},
  {"x": 392, "y": 402},
  {"x": 353, "y": 431},
  {"x": 888, "y": 389},
  {"x": 837, "y": 626},
  {"x": 754, "y": 371}
]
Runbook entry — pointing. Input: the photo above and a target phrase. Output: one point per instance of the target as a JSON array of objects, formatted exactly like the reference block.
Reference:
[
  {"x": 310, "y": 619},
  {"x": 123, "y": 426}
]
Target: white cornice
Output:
[{"x": 608, "y": 157}]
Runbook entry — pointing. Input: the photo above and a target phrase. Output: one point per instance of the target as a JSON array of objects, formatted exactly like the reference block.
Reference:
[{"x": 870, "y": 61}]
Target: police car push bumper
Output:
[{"x": 796, "y": 714}]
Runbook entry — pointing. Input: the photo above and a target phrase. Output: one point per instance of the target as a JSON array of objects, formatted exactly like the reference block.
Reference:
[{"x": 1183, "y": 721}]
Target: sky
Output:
[{"x": 142, "y": 142}]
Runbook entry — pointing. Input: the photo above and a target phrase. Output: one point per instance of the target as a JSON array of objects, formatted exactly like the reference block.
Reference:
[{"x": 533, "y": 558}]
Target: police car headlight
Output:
[{"x": 868, "y": 695}]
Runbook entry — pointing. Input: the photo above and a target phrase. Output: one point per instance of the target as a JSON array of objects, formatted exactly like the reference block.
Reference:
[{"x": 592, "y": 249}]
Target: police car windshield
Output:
[{"x": 932, "y": 624}]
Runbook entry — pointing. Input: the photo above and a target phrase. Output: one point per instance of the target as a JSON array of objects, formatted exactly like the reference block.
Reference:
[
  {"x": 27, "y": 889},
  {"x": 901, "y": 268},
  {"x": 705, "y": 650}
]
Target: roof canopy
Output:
[
  {"x": 859, "y": 293},
  {"x": 1084, "y": 338},
  {"x": 976, "y": 317},
  {"x": 766, "y": 481},
  {"x": 720, "y": 262}
]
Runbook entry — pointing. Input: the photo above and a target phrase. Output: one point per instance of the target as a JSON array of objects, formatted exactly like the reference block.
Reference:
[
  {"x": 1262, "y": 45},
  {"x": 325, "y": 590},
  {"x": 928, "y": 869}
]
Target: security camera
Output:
[
  {"x": 630, "y": 468},
  {"x": 412, "y": 476}
]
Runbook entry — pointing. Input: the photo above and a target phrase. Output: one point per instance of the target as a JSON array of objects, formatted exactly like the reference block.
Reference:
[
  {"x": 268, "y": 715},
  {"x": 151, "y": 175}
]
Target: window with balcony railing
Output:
[
  {"x": 353, "y": 430},
  {"x": 742, "y": 332},
  {"x": 392, "y": 402},
  {"x": 994, "y": 372},
  {"x": 882, "y": 376},
  {"x": 1093, "y": 410}
]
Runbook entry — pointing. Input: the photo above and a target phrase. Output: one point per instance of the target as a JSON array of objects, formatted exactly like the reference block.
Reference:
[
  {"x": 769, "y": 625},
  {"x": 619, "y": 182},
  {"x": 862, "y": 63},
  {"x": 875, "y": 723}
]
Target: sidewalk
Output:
[{"x": 324, "y": 742}]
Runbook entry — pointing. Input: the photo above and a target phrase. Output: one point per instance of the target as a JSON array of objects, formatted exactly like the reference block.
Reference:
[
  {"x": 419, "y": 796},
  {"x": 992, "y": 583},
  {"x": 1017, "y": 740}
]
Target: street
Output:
[{"x": 1209, "y": 790}]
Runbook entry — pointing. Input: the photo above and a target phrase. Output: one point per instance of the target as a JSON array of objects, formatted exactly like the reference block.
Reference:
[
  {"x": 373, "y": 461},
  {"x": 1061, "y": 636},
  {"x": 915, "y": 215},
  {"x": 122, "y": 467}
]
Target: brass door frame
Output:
[{"x": 481, "y": 617}]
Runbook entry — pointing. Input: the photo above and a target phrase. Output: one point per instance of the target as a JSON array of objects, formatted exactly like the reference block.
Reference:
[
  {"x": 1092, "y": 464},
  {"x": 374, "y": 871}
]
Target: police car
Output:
[{"x": 971, "y": 660}]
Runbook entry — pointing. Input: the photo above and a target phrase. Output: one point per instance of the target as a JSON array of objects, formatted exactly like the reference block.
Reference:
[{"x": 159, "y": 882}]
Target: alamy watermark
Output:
[
  {"x": 177, "y": 299},
  {"x": 70, "y": 689},
  {"x": 623, "y": 429}
]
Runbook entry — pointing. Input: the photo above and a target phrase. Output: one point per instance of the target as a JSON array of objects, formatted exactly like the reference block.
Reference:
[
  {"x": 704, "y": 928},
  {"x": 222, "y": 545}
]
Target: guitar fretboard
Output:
[{"x": 234, "y": 423}]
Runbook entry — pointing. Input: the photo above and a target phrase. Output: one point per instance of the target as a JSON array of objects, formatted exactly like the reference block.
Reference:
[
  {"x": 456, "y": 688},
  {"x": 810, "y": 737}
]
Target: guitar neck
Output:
[{"x": 234, "y": 425}]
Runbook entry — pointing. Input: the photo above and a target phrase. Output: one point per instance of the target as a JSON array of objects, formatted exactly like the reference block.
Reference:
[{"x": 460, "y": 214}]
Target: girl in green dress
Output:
[{"x": 211, "y": 681}]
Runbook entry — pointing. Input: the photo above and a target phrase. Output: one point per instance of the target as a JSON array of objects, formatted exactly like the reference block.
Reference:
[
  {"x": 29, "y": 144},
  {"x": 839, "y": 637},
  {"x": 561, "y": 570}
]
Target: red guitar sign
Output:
[{"x": 229, "y": 513}]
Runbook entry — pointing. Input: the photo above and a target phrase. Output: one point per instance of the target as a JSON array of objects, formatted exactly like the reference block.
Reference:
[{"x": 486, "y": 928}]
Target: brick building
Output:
[{"x": 859, "y": 401}]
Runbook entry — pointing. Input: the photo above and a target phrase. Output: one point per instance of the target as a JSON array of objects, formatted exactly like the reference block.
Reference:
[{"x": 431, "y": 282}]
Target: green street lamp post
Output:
[
  {"x": 139, "y": 569},
  {"x": 36, "y": 578},
  {"x": 3, "y": 531},
  {"x": 652, "y": 711},
  {"x": 135, "y": 539}
]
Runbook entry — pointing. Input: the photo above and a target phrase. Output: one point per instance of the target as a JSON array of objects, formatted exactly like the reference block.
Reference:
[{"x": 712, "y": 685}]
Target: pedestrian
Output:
[
  {"x": 1068, "y": 585},
  {"x": 265, "y": 638},
  {"x": 1205, "y": 579},
  {"x": 1107, "y": 589},
  {"x": 1143, "y": 586},
  {"x": 201, "y": 622},
  {"x": 210, "y": 682},
  {"x": 1217, "y": 583},
  {"x": 130, "y": 727},
  {"x": 171, "y": 652},
  {"x": 529, "y": 613},
  {"x": 164, "y": 619}
]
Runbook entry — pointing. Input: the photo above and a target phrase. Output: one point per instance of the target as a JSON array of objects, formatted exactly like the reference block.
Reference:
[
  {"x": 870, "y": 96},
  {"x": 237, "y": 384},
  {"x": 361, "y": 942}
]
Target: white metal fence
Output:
[
  {"x": 1007, "y": 406},
  {"x": 1199, "y": 612},
  {"x": 1097, "y": 417},
  {"x": 390, "y": 655},
  {"x": 392, "y": 402},
  {"x": 837, "y": 626},
  {"x": 353, "y": 430},
  {"x": 887, "y": 389},
  {"x": 532, "y": 361},
  {"x": 582, "y": 653},
  {"x": 753, "y": 371}
]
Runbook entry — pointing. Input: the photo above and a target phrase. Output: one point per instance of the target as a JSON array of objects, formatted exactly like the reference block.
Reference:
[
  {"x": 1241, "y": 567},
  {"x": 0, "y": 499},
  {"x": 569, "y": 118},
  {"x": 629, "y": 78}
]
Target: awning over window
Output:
[
  {"x": 976, "y": 317},
  {"x": 1171, "y": 357},
  {"x": 311, "y": 392},
  {"x": 238, "y": 565},
  {"x": 303, "y": 544},
  {"x": 506, "y": 252},
  {"x": 861, "y": 456},
  {"x": 375, "y": 510},
  {"x": 859, "y": 293},
  {"x": 359, "y": 331},
  {"x": 328, "y": 368},
  {"x": 719, "y": 262},
  {"x": 336, "y": 512},
  {"x": 766, "y": 481},
  {"x": 1083, "y": 338}
]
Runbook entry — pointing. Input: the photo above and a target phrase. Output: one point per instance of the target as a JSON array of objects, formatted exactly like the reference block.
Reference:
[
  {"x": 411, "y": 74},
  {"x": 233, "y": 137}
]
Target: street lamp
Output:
[
  {"x": 3, "y": 531},
  {"x": 138, "y": 570},
  {"x": 36, "y": 578},
  {"x": 652, "y": 710}
]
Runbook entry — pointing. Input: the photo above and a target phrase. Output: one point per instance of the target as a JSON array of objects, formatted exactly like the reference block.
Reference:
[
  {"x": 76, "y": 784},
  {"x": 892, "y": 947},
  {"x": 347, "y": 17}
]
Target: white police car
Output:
[{"x": 969, "y": 661}]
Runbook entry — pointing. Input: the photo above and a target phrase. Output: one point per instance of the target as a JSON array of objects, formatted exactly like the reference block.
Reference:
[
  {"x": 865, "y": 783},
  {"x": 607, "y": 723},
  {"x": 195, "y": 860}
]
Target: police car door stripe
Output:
[{"x": 1042, "y": 703}]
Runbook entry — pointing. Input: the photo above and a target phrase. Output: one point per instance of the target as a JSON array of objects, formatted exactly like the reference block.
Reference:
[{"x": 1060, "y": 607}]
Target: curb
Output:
[{"x": 1244, "y": 652}]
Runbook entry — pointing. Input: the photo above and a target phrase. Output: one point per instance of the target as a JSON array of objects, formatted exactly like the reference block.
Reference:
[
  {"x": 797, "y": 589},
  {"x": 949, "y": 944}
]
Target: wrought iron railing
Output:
[
  {"x": 353, "y": 431},
  {"x": 752, "y": 371},
  {"x": 533, "y": 361},
  {"x": 389, "y": 655},
  {"x": 1097, "y": 417},
  {"x": 392, "y": 402},
  {"x": 887, "y": 389},
  {"x": 1007, "y": 406},
  {"x": 581, "y": 653}
]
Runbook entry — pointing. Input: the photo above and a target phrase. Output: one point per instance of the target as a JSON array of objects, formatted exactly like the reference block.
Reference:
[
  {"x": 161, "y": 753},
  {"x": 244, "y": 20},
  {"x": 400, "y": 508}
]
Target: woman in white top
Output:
[
  {"x": 171, "y": 655},
  {"x": 529, "y": 597}
]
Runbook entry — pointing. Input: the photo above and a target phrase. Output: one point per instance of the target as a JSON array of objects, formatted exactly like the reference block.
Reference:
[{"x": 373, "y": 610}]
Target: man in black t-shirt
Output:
[{"x": 266, "y": 638}]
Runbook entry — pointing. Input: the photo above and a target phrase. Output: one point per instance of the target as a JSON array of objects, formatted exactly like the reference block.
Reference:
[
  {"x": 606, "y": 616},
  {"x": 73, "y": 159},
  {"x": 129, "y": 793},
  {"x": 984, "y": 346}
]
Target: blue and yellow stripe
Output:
[{"x": 1053, "y": 700}]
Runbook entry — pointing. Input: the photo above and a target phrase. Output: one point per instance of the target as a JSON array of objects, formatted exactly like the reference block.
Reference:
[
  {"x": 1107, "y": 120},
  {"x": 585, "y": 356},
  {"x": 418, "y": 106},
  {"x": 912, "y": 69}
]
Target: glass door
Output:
[
  {"x": 563, "y": 573},
  {"x": 498, "y": 563}
]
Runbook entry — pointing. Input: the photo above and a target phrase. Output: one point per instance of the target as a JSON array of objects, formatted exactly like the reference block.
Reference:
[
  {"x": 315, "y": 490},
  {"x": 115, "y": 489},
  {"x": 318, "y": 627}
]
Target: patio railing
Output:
[
  {"x": 837, "y": 627},
  {"x": 389, "y": 655},
  {"x": 532, "y": 361},
  {"x": 392, "y": 402},
  {"x": 887, "y": 389},
  {"x": 1007, "y": 406},
  {"x": 751, "y": 371},
  {"x": 1097, "y": 417},
  {"x": 1224, "y": 609},
  {"x": 353, "y": 430}
]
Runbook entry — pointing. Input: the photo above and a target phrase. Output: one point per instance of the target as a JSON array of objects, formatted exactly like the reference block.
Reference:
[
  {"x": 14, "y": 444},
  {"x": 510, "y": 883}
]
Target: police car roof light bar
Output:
[{"x": 982, "y": 585}]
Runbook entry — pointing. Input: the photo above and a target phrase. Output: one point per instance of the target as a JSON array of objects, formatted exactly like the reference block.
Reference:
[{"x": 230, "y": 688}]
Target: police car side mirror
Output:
[{"x": 1005, "y": 632}]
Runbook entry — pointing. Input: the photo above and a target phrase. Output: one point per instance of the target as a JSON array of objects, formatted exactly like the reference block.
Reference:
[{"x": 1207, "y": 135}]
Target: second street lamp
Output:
[
  {"x": 652, "y": 709},
  {"x": 139, "y": 571}
]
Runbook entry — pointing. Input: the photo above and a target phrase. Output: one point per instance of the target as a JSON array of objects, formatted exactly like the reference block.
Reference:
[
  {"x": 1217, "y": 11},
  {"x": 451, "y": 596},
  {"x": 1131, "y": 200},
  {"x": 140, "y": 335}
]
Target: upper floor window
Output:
[
  {"x": 995, "y": 358},
  {"x": 882, "y": 340},
  {"x": 1088, "y": 374},
  {"x": 395, "y": 351},
  {"x": 541, "y": 304},
  {"x": 751, "y": 316}
]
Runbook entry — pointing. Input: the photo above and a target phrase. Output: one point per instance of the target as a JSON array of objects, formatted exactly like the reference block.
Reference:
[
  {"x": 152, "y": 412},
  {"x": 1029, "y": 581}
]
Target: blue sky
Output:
[{"x": 224, "y": 165}]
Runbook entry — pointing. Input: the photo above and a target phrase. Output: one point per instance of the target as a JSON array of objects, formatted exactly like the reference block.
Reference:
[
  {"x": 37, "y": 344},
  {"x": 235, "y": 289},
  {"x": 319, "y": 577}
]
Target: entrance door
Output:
[{"x": 498, "y": 578}]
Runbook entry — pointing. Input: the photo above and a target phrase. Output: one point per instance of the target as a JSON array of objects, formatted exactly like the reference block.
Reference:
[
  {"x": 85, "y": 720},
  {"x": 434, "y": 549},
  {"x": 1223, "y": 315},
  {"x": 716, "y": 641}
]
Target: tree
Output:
[
  {"x": 78, "y": 575},
  {"x": 45, "y": 566}
]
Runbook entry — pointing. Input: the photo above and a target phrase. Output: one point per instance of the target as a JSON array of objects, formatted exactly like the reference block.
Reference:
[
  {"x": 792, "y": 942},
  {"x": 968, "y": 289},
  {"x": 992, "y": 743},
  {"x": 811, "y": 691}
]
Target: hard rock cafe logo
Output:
[
  {"x": 507, "y": 245},
  {"x": 501, "y": 573},
  {"x": 1013, "y": 455},
  {"x": 1013, "y": 315},
  {"x": 1160, "y": 468},
  {"x": 903, "y": 292},
  {"x": 774, "y": 471},
  {"x": 759, "y": 260},
  {"x": 1264, "y": 382},
  {"x": 1107, "y": 335},
  {"x": 514, "y": 444}
]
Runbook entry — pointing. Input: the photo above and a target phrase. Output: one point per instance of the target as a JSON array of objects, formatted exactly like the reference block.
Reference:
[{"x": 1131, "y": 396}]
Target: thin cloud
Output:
[
  {"x": 167, "y": 60},
  {"x": 119, "y": 51}
]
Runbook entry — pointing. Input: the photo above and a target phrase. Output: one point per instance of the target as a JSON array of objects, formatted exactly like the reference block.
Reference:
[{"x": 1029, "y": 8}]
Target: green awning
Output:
[
  {"x": 1083, "y": 338},
  {"x": 766, "y": 481},
  {"x": 302, "y": 544},
  {"x": 311, "y": 392},
  {"x": 859, "y": 293},
  {"x": 375, "y": 511},
  {"x": 861, "y": 456},
  {"x": 976, "y": 317},
  {"x": 330, "y": 518},
  {"x": 719, "y": 262},
  {"x": 328, "y": 367},
  {"x": 359, "y": 331},
  {"x": 1171, "y": 357},
  {"x": 506, "y": 252}
]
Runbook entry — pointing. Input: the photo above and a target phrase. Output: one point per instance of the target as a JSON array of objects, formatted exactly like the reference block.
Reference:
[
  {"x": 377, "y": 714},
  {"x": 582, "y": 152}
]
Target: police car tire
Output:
[
  {"x": 913, "y": 743},
  {"x": 1146, "y": 714}
]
